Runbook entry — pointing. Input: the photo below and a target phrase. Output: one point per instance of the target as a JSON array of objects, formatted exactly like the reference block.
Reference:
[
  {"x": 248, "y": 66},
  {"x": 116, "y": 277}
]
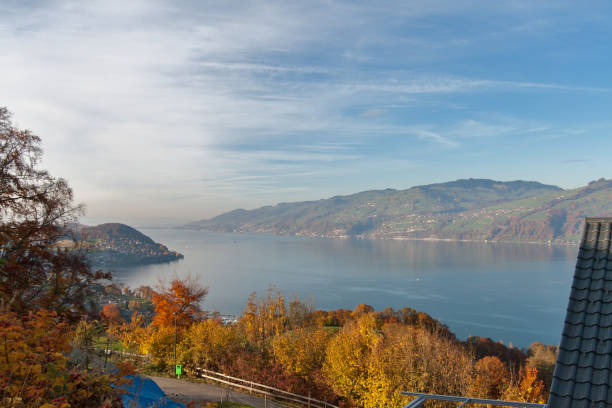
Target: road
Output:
[{"x": 185, "y": 391}]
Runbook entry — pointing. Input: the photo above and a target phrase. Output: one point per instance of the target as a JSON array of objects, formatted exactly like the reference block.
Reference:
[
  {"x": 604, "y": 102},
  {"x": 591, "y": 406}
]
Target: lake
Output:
[{"x": 511, "y": 292}]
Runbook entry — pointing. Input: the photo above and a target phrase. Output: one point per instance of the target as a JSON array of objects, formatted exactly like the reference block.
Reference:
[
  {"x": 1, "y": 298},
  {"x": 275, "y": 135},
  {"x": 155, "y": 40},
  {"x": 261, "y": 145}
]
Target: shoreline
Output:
[{"x": 346, "y": 237}]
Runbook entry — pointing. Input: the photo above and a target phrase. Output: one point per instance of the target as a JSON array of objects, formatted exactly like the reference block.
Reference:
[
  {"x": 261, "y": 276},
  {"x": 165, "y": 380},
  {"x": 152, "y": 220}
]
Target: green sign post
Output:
[{"x": 179, "y": 370}]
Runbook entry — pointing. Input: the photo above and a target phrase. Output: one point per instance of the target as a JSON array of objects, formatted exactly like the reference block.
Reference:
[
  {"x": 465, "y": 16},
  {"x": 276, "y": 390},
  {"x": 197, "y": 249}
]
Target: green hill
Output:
[
  {"x": 116, "y": 244},
  {"x": 473, "y": 209}
]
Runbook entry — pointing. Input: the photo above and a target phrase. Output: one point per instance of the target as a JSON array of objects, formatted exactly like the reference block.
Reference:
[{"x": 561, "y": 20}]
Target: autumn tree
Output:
[
  {"x": 528, "y": 388},
  {"x": 158, "y": 343},
  {"x": 36, "y": 211},
  {"x": 513, "y": 357},
  {"x": 409, "y": 358},
  {"x": 491, "y": 378},
  {"x": 543, "y": 358},
  {"x": 179, "y": 302},
  {"x": 35, "y": 370},
  {"x": 300, "y": 314},
  {"x": 301, "y": 351},
  {"x": 133, "y": 333},
  {"x": 371, "y": 365},
  {"x": 209, "y": 344},
  {"x": 361, "y": 310},
  {"x": 111, "y": 315},
  {"x": 338, "y": 317},
  {"x": 347, "y": 357},
  {"x": 264, "y": 318}
]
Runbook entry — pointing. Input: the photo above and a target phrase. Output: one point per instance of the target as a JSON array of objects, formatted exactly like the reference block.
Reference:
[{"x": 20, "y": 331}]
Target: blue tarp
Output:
[{"x": 145, "y": 393}]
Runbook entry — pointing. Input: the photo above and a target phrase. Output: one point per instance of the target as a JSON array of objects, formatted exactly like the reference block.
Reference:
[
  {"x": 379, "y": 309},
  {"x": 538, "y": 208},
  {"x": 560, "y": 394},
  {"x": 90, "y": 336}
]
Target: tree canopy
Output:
[
  {"x": 180, "y": 300},
  {"x": 36, "y": 211}
]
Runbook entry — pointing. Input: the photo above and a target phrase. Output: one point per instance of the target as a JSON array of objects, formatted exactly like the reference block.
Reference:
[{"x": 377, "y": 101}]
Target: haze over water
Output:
[{"x": 511, "y": 292}]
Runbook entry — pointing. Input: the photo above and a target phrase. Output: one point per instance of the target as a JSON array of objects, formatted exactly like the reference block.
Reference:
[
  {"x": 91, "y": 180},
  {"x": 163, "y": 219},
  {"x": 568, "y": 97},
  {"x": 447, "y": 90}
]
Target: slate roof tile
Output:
[
  {"x": 588, "y": 319},
  {"x": 584, "y": 365},
  {"x": 590, "y": 274},
  {"x": 593, "y": 284},
  {"x": 587, "y": 332}
]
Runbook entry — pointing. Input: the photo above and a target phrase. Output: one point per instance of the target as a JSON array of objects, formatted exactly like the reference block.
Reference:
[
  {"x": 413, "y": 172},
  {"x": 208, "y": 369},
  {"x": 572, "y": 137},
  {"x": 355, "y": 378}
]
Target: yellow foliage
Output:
[
  {"x": 207, "y": 343},
  {"x": 34, "y": 367},
  {"x": 347, "y": 356},
  {"x": 413, "y": 359},
  {"x": 491, "y": 378},
  {"x": 264, "y": 318},
  {"x": 372, "y": 367},
  {"x": 301, "y": 351},
  {"x": 158, "y": 343},
  {"x": 133, "y": 334},
  {"x": 528, "y": 389},
  {"x": 31, "y": 352}
]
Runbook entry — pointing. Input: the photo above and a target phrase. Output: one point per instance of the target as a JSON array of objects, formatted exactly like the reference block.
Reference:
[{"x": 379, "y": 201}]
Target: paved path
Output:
[{"x": 184, "y": 391}]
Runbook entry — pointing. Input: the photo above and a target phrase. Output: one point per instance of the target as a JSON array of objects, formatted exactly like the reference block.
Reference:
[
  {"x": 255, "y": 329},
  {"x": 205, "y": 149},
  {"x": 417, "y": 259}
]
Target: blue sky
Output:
[{"x": 164, "y": 112}]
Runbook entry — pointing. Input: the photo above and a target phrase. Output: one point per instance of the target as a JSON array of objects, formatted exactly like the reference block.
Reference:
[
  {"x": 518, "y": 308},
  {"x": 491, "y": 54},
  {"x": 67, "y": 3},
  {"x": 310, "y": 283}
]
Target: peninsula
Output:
[{"x": 115, "y": 244}]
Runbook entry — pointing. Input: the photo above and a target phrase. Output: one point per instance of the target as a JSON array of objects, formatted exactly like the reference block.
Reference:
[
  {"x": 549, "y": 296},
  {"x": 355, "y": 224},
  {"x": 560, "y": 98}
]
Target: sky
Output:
[{"x": 165, "y": 112}]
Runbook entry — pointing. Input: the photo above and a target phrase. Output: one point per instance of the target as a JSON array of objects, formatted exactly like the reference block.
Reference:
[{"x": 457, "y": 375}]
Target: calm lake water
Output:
[{"x": 510, "y": 292}]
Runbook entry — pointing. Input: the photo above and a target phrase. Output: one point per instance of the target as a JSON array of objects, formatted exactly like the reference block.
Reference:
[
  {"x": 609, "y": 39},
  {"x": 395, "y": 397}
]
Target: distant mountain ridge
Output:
[
  {"x": 468, "y": 209},
  {"x": 115, "y": 244}
]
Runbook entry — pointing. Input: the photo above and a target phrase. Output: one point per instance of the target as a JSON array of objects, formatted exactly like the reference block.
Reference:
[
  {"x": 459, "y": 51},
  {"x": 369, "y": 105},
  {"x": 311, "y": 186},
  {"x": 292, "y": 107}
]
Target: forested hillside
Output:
[
  {"x": 116, "y": 244},
  {"x": 360, "y": 358},
  {"x": 473, "y": 209}
]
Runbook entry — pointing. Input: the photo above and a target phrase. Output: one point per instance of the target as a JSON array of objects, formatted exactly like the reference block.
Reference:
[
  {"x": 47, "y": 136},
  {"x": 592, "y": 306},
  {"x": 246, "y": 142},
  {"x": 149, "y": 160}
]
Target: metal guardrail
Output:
[
  {"x": 263, "y": 389},
  {"x": 423, "y": 398}
]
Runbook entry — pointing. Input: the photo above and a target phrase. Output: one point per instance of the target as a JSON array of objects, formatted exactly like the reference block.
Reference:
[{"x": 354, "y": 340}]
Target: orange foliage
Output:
[
  {"x": 361, "y": 309},
  {"x": 111, "y": 314},
  {"x": 180, "y": 301},
  {"x": 34, "y": 368},
  {"x": 531, "y": 388},
  {"x": 528, "y": 388},
  {"x": 514, "y": 358},
  {"x": 491, "y": 378}
]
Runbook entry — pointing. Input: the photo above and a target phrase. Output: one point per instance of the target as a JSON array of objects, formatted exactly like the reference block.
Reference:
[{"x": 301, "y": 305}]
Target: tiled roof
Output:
[{"x": 584, "y": 366}]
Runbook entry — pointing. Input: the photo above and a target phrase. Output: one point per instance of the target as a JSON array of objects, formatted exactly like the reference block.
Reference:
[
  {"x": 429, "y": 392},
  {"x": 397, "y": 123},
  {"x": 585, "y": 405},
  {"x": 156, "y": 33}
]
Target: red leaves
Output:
[{"x": 111, "y": 314}]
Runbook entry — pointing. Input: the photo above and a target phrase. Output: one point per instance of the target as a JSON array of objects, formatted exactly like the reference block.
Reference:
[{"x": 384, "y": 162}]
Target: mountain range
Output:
[{"x": 469, "y": 209}]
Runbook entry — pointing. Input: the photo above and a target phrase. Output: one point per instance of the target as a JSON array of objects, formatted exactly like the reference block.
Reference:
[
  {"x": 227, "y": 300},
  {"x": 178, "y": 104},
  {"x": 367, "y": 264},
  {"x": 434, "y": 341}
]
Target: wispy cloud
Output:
[
  {"x": 371, "y": 113},
  {"x": 424, "y": 134},
  {"x": 142, "y": 101},
  {"x": 260, "y": 68}
]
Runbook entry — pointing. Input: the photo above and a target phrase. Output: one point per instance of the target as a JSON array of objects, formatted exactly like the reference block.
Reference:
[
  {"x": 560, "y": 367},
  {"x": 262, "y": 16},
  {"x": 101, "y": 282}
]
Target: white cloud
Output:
[
  {"x": 426, "y": 134},
  {"x": 146, "y": 101}
]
